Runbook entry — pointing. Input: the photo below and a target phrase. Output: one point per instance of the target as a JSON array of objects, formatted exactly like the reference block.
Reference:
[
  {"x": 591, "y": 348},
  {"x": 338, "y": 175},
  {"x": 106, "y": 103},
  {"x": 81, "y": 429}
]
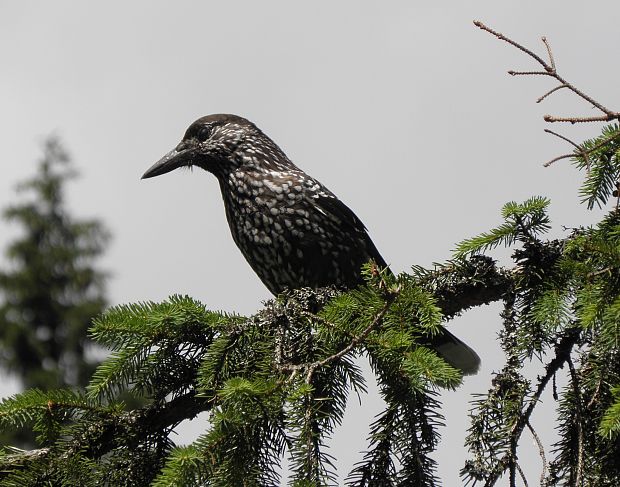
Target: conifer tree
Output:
[
  {"x": 51, "y": 290},
  {"x": 279, "y": 381}
]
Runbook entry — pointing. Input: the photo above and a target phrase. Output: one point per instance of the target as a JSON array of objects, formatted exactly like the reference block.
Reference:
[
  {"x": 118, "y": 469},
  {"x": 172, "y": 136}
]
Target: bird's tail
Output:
[{"x": 456, "y": 353}]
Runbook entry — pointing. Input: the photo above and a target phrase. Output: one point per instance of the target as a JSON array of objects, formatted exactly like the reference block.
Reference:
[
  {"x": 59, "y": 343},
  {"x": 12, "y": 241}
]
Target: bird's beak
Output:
[{"x": 180, "y": 156}]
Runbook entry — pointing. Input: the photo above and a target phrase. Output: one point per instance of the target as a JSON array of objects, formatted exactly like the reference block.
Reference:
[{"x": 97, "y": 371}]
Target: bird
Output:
[{"x": 292, "y": 230}]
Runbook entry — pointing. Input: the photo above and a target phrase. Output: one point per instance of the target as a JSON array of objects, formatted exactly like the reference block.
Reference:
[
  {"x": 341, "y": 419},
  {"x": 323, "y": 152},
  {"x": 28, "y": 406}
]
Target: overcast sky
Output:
[{"x": 402, "y": 108}]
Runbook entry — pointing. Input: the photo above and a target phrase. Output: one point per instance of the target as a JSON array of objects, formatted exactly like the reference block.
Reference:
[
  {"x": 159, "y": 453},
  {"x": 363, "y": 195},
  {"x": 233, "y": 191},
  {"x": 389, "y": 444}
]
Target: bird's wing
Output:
[
  {"x": 348, "y": 221},
  {"x": 328, "y": 239}
]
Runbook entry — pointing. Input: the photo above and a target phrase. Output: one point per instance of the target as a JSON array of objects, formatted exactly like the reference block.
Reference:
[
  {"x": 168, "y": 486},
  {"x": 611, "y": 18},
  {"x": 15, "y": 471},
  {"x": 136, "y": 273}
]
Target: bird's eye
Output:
[{"x": 204, "y": 133}]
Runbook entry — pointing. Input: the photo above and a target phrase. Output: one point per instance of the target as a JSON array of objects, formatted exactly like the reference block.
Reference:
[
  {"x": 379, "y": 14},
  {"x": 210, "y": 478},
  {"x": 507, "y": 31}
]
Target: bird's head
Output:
[{"x": 216, "y": 143}]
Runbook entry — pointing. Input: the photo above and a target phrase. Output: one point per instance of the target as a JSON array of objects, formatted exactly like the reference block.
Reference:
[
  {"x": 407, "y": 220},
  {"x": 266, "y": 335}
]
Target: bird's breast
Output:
[
  {"x": 288, "y": 243},
  {"x": 266, "y": 217}
]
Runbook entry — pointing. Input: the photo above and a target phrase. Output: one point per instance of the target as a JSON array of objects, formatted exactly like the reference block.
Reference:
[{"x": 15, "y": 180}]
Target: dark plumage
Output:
[{"x": 292, "y": 230}]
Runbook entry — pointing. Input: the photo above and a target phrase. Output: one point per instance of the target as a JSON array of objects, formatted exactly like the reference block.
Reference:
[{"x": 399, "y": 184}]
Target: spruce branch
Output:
[
  {"x": 541, "y": 452},
  {"x": 357, "y": 340},
  {"x": 578, "y": 420},
  {"x": 236, "y": 350},
  {"x": 19, "y": 458},
  {"x": 310, "y": 368},
  {"x": 562, "y": 355},
  {"x": 97, "y": 435},
  {"x": 610, "y": 422},
  {"x": 462, "y": 284}
]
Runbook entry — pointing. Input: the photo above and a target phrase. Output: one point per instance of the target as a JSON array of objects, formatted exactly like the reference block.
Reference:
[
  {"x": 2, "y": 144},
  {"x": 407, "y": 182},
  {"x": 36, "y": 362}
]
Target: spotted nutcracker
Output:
[{"x": 291, "y": 229}]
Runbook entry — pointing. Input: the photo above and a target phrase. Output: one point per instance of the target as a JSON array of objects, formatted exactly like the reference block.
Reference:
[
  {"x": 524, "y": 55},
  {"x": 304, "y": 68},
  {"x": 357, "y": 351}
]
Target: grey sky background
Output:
[{"x": 403, "y": 109}]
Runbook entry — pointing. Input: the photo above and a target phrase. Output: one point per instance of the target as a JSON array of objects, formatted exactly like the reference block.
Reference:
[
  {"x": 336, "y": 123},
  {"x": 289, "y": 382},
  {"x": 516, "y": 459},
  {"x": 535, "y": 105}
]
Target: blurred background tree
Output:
[{"x": 50, "y": 289}]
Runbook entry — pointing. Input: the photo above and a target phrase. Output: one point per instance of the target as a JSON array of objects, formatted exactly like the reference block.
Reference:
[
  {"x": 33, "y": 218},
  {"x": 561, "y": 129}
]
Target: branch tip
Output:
[{"x": 549, "y": 69}]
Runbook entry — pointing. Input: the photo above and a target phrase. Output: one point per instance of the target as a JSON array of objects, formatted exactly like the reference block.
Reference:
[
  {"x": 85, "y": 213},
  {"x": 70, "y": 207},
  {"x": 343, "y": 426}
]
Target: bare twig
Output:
[
  {"x": 550, "y": 70},
  {"x": 551, "y": 60},
  {"x": 553, "y": 90},
  {"x": 541, "y": 452},
  {"x": 606, "y": 270},
  {"x": 576, "y": 146},
  {"x": 558, "y": 158},
  {"x": 584, "y": 154},
  {"x": 502, "y": 37},
  {"x": 529, "y": 73},
  {"x": 602, "y": 118}
]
